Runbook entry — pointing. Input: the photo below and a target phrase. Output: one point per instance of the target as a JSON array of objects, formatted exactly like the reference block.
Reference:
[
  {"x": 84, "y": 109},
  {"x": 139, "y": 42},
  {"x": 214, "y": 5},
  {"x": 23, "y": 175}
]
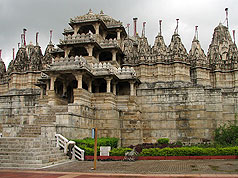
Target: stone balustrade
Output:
[
  {"x": 89, "y": 37},
  {"x": 79, "y": 38}
]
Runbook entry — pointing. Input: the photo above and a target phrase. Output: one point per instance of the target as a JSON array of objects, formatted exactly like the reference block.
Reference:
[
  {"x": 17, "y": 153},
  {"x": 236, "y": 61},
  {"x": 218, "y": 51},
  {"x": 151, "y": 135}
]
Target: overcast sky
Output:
[{"x": 43, "y": 15}]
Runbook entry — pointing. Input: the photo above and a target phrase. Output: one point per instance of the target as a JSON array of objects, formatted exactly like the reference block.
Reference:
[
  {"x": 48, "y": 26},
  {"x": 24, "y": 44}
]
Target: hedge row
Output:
[
  {"x": 89, "y": 142},
  {"x": 190, "y": 151}
]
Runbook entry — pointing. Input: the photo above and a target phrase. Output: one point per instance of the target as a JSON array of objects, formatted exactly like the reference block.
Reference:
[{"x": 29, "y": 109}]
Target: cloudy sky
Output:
[{"x": 43, "y": 15}]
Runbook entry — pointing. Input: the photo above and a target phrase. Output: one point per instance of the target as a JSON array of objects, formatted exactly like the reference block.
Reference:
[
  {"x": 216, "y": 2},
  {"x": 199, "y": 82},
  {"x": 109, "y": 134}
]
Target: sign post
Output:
[{"x": 95, "y": 147}]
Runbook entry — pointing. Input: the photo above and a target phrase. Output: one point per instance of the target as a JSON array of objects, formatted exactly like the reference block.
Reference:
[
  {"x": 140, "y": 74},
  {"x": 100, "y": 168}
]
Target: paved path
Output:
[{"x": 116, "y": 169}]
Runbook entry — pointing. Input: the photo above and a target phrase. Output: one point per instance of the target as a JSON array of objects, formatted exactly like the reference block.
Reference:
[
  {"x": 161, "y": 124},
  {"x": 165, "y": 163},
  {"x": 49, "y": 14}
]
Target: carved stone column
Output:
[
  {"x": 90, "y": 50},
  {"x": 76, "y": 29},
  {"x": 52, "y": 82},
  {"x": 79, "y": 78},
  {"x": 114, "y": 55},
  {"x": 66, "y": 52},
  {"x": 118, "y": 34},
  {"x": 114, "y": 88},
  {"x": 97, "y": 28},
  {"x": 132, "y": 88},
  {"x": 108, "y": 79}
]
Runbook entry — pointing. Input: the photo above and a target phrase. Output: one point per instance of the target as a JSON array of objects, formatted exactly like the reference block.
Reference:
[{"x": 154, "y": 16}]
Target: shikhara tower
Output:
[{"x": 98, "y": 76}]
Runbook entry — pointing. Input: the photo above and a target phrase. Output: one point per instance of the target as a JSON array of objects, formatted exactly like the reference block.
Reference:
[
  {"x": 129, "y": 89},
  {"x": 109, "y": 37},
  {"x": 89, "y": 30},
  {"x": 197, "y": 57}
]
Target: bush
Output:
[
  {"x": 163, "y": 141},
  {"x": 227, "y": 135},
  {"x": 89, "y": 142},
  {"x": 119, "y": 151},
  {"x": 189, "y": 151},
  {"x": 89, "y": 151}
]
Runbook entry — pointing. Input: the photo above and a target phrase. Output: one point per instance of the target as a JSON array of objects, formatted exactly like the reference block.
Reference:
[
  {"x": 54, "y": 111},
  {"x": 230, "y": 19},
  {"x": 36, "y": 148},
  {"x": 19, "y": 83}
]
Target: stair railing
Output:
[{"x": 76, "y": 151}]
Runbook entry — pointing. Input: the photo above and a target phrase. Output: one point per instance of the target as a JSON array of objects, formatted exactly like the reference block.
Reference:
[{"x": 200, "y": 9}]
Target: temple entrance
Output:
[{"x": 64, "y": 85}]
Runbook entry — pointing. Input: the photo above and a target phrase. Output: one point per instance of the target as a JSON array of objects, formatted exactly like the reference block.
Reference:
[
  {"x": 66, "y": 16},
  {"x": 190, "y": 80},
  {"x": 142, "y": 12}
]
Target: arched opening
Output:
[
  {"x": 123, "y": 88},
  {"x": 105, "y": 56},
  {"x": 85, "y": 29},
  {"x": 78, "y": 51},
  {"x": 64, "y": 85}
]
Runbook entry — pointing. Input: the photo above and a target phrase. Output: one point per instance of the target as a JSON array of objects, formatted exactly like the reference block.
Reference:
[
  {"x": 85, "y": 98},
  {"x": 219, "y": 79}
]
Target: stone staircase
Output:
[
  {"x": 30, "y": 131},
  {"x": 45, "y": 118},
  {"x": 29, "y": 152}
]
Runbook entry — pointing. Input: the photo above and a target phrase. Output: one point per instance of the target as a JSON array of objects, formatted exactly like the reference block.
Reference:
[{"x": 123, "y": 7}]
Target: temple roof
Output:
[{"x": 90, "y": 16}]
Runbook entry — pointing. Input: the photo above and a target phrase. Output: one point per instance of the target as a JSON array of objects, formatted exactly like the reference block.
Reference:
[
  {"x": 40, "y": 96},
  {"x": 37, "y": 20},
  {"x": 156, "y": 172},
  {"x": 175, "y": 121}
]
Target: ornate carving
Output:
[{"x": 176, "y": 50}]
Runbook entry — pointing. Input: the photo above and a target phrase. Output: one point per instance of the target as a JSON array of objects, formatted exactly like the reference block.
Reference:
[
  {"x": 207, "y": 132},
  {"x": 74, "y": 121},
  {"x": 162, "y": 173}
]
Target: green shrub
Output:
[
  {"x": 89, "y": 151},
  {"x": 227, "y": 134},
  {"x": 189, "y": 151},
  {"x": 163, "y": 141},
  {"x": 119, "y": 151},
  {"x": 89, "y": 142}
]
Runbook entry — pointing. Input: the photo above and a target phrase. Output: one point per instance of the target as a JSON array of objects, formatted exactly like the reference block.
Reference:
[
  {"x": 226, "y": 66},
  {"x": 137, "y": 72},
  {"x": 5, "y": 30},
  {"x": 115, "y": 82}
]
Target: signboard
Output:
[
  {"x": 104, "y": 150},
  {"x": 93, "y": 132}
]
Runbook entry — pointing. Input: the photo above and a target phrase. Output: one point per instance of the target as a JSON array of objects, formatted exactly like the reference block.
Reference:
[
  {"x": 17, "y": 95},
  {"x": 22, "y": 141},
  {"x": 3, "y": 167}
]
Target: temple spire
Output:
[
  {"x": 135, "y": 21},
  {"x": 196, "y": 33},
  {"x": 226, "y": 9},
  {"x": 51, "y": 31},
  {"x": 160, "y": 27},
  {"x": 234, "y": 35},
  {"x": 176, "y": 29},
  {"x": 37, "y": 33},
  {"x": 143, "y": 29}
]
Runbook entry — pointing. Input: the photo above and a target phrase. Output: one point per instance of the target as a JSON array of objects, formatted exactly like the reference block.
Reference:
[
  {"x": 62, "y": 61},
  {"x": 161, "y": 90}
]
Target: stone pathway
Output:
[
  {"x": 149, "y": 169},
  {"x": 152, "y": 167}
]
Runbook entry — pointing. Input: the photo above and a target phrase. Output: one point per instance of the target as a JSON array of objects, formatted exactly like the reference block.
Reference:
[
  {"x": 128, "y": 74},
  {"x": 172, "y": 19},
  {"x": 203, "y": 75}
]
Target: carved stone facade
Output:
[{"x": 97, "y": 76}]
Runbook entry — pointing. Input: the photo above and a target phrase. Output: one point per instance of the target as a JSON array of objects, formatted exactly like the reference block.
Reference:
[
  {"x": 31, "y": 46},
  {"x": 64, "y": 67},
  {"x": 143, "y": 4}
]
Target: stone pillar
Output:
[
  {"x": 114, "y": 88},
  {"x": 118, "y": 34},
  {"x": 90, "y": 50},
  {"x": 114, "y": 55},
  {"x": 66, "y": 52},
  {"x": 76, "y": 29},
  {"x": 97, "y": 28},
  {"x": 108, "y": 79},
  {"x": 132, "y": 88},
  {"x": 52, "y": 82},
  {"x": 79, "y": 78}
]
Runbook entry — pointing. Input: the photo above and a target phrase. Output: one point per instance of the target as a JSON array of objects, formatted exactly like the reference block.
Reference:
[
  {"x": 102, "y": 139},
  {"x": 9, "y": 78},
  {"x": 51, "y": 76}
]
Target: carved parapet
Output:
[
  {"x": 103, "y": 69},
  {"x": 109, "y": 43},
  {"x": 126, "y": 73},
  {"x": 71, "y": 63},
  {"x": 79, "y": 38}
]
